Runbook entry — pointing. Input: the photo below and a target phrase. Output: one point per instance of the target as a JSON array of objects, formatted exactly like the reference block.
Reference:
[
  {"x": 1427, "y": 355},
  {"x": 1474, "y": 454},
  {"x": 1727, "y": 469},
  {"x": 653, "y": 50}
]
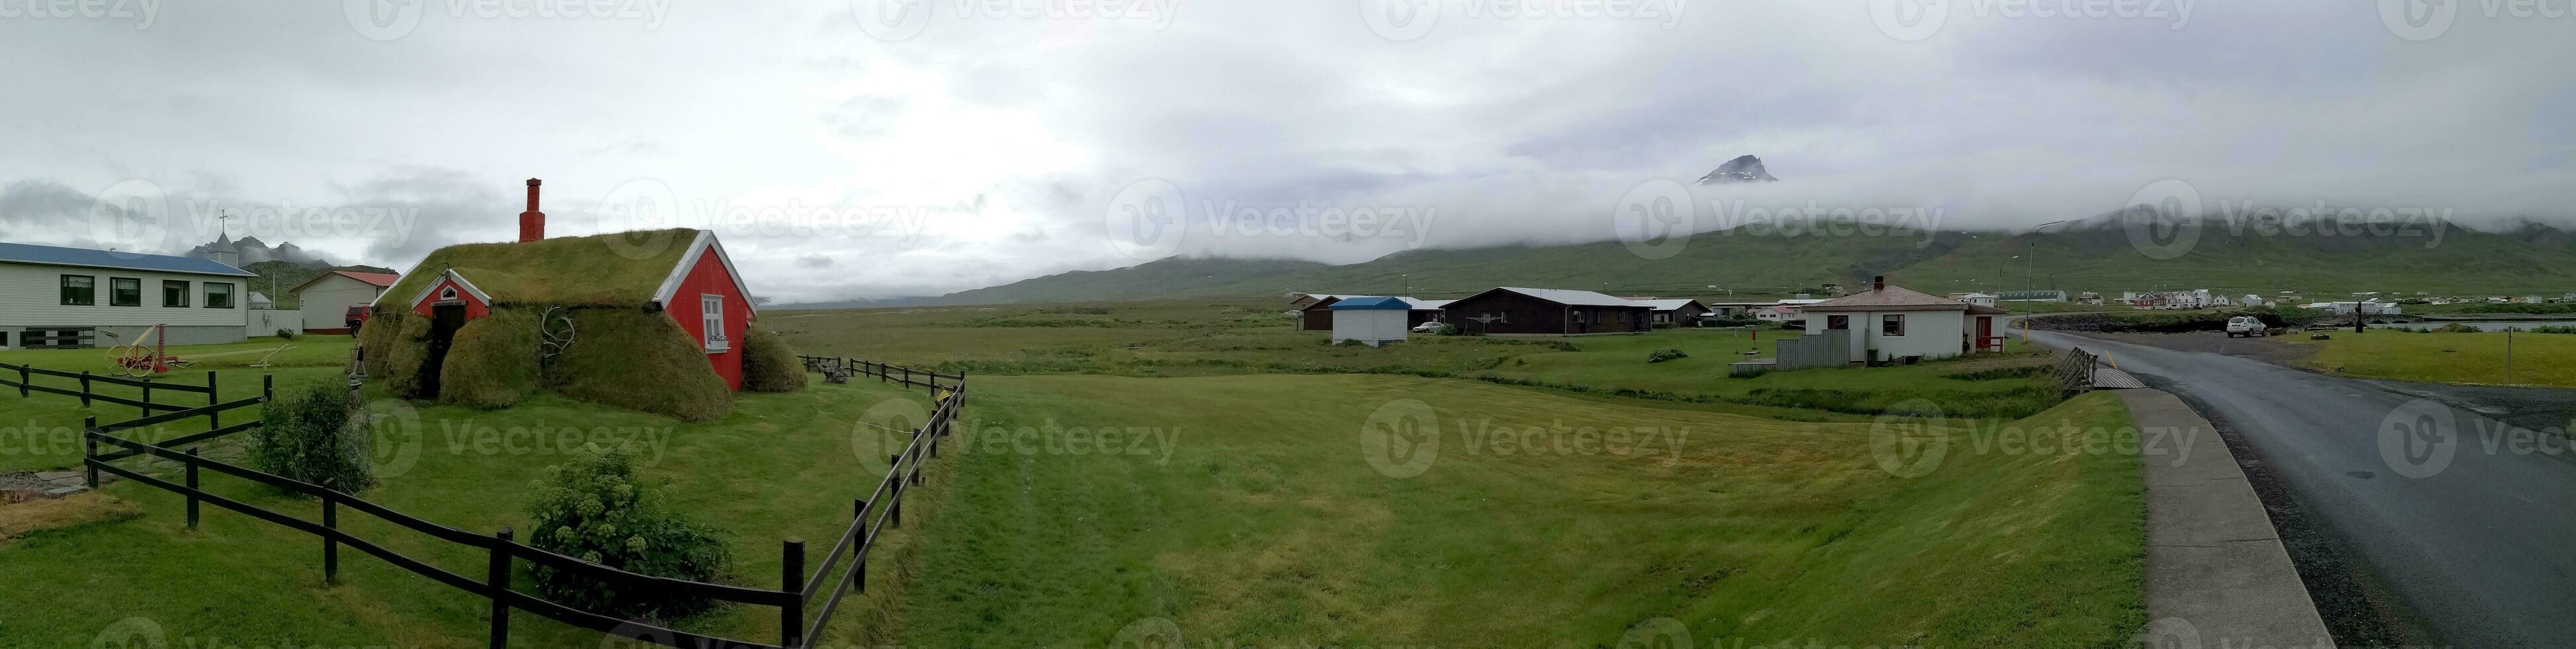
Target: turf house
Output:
[{"x": 655, "y": 320}]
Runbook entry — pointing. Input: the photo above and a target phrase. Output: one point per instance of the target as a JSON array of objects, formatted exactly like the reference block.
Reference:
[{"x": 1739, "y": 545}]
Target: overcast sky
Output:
[{"x": 849, "y": 149}]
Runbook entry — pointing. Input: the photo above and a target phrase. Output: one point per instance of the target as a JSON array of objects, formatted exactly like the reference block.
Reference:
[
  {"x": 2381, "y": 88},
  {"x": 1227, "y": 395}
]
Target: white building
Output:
[
  {"x": 325, "y": 300},
  {"x": 1888, "y": 323},
  {"x": 1372, "y": 320},
  {"x": 76, "y": 297},
  {"x": 1979, "y": 299}
]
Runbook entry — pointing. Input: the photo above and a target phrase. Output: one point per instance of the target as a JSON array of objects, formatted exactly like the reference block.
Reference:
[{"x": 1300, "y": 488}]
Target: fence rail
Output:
[
  {"x": 797, "y": 591},
  {"x": 904, "y": 376},
  {"x": 2075, "y": 370}
]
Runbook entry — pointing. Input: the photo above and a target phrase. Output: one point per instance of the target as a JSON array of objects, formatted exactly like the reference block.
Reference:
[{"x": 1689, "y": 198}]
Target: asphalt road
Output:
[{"x": 2482, "y": 547}]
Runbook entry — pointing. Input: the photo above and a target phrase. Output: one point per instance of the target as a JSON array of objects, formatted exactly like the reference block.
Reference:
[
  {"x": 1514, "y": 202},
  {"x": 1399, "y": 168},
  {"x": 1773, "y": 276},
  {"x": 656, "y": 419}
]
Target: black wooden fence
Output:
[
  {"x": 27, "y": 376},
  {"x": 904, "y": 376},
  {"x": 797, "y": 589}
]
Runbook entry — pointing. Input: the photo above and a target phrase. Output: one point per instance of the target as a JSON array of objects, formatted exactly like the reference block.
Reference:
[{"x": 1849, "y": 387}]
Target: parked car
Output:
[
  {"x": 2245, "y": 325},
  {"x": 357, "y": 316},
  {"x": 1429, "y": 327}
]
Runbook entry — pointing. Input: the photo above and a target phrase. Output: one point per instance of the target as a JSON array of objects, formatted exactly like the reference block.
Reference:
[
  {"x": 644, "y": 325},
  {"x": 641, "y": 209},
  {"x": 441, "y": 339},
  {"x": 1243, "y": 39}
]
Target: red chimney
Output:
[
  {"x": 1876, "y": 282},
  {"x": 532, "y": 223}
]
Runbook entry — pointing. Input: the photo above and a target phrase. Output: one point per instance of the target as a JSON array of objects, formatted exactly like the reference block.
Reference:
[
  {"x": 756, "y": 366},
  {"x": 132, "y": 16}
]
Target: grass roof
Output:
[{"x": 605, "y": 270}]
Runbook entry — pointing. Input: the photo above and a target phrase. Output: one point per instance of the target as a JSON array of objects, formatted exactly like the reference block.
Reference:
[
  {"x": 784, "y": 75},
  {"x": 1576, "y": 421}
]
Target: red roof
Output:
[{"x": 379, "y": 279}]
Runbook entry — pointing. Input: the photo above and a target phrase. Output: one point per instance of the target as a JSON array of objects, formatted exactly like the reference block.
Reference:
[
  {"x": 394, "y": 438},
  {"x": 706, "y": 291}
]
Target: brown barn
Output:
[{"x": 1549, "y": 312}]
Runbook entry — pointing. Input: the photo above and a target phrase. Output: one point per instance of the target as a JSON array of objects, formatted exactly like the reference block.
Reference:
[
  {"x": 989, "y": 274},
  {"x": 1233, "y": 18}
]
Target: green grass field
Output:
[
  {"x": 1248, "y": 512},
  {"x": 780, "y": 466},
  {"x": 1247, "y": 518},
  {"x": 2473, "y": 358}
]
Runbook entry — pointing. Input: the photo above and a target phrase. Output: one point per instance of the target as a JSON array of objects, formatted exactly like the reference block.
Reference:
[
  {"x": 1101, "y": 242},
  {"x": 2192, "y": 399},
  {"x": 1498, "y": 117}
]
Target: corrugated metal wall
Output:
[{"x": 1828, "y": 349}]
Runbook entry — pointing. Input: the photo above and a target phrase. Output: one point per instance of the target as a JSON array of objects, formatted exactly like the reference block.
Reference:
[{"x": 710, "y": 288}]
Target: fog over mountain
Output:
[{"x": 840, "y": 161}]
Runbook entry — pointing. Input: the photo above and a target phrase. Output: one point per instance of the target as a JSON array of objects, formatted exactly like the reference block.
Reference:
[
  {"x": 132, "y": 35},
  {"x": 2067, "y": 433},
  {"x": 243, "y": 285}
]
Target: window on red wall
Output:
[{"x": 711, "y": 315}]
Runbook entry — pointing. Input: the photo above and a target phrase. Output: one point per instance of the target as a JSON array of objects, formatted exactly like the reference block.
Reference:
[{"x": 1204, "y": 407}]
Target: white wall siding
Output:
[
  {"x": 1930, "y": 334},
  {"x": 31, "y": 296},
  {"x": 326, "y": 304},
  {"x": 1372, "y": 326}
]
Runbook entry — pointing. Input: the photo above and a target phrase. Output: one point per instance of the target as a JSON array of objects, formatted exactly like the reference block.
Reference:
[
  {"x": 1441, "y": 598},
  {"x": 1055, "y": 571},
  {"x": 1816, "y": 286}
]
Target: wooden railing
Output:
[
  {"x": 904, "y": 376},
  {"x": 797, "y": 588},
  {"x": 2075, "y": 370}
]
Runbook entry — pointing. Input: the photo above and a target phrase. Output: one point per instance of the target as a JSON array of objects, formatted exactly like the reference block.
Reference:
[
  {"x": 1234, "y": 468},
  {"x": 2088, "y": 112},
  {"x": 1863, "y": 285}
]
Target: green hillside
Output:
[{"x": 2098, "y": 256}]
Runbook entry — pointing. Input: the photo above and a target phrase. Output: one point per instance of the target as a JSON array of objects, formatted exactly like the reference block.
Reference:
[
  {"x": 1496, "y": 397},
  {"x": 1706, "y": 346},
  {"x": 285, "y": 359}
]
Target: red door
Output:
[{"x": 1985, "y": 330}]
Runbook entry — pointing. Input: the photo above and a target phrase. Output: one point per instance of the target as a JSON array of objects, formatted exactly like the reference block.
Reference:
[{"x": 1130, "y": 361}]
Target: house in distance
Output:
[
  {"x": 1511, "y": 311},
  {"x": 657, "y": 320}
]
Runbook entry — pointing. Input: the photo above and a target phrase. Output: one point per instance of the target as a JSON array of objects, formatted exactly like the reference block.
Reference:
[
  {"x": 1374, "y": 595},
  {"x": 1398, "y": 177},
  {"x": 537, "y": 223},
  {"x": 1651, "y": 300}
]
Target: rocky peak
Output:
[{"x": 1742, "y": 169}]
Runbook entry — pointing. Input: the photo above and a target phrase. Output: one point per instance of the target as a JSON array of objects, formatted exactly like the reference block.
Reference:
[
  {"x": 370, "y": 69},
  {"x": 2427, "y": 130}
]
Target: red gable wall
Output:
[
  {"x": 474, "y": 309},
  {"x": 708, "y": 277}
]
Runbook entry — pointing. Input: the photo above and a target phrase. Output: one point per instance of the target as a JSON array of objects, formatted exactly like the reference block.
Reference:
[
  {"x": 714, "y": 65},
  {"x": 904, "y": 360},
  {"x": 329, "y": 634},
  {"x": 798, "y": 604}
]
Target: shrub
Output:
[
  {"x": 285, "y": 333},
  {"x": 1447, "y": 330},
  {"x": 308, "y": 436},
  {"x": 2458, "y": 328},
  {"x": 492, "y": 364},
  {"x": 768, "y": 364},
  {"x": 595, "y": 508},
  {"x": 1665, "y": 354},
  {"x": 1663, "y": 325},
  {"x": 641, "y": 361}
]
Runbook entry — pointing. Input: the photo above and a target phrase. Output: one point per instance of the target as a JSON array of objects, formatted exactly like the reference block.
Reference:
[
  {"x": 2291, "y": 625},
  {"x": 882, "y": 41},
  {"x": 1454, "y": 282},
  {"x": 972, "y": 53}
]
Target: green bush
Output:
[
  {"x": 307, "y": 436},
  {"x": 492, "y": 364},
  {"x": 2458, "y": 328},
  {"x": 1665, "y": 354},
  {"x": 639, "y": 360},
  {"x": 596, "y": 508},
  {"x": 285, "y": 333},
  {"x": 768, "y": 364},
  {"x": 1663, "y": 325},
  {"x": 1447, "y": 330}
]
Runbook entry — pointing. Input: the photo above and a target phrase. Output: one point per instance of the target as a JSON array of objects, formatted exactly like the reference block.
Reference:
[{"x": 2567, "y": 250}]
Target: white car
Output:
[
  {"x": 2244, "y": 325},
  {"x": 1429, "y": 327}
]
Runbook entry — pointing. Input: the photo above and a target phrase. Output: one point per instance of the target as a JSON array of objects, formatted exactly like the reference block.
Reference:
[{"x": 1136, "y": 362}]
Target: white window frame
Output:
[{"x": 711, "y": 316}]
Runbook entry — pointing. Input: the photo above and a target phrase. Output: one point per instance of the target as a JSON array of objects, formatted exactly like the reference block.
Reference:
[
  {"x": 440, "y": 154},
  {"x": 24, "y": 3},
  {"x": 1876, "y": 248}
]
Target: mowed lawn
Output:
[
  {"x": 780, "y": 466},
  {"x": 42, "y": 432},
  {"x": 1242, "y": 510},
  {"x": 2539, "y": 359}
]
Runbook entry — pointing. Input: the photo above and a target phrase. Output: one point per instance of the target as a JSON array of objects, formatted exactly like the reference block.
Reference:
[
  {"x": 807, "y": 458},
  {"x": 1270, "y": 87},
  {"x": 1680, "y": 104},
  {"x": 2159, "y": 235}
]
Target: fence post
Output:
[
  {"x": 22, "y": 381},
  {"x": 499, "y": 583},
  {"x": 192, "y": 488},
  {"x": 147, "y": 396},
  {"x": 791, "y": 579},
  {"x": 330, "y": 544},
  {"x": 89, "y": 448},
  {"x": 84, "y": 388},
  {"x": 267, "y": 388},
  {"x": 859, "y": 557},
  {"x": 214, "y": 419},
  {"x": 894, "y": 494}
]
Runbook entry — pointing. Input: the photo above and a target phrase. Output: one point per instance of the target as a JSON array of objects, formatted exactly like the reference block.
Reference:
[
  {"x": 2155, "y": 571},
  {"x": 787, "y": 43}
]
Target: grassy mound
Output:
[
  {"x": 397, "y": 344},
  {"x": 768, "y": 364},
  {"x": 493, "y": 363},
  {"x": 640, "y": 360},
  {"x": 619, "y": 269}
]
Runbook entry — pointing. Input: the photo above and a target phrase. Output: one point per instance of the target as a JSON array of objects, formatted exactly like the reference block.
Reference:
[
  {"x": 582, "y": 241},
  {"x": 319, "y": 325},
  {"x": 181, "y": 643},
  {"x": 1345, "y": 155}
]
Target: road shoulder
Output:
[{"x": 2217, "y": 573}]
